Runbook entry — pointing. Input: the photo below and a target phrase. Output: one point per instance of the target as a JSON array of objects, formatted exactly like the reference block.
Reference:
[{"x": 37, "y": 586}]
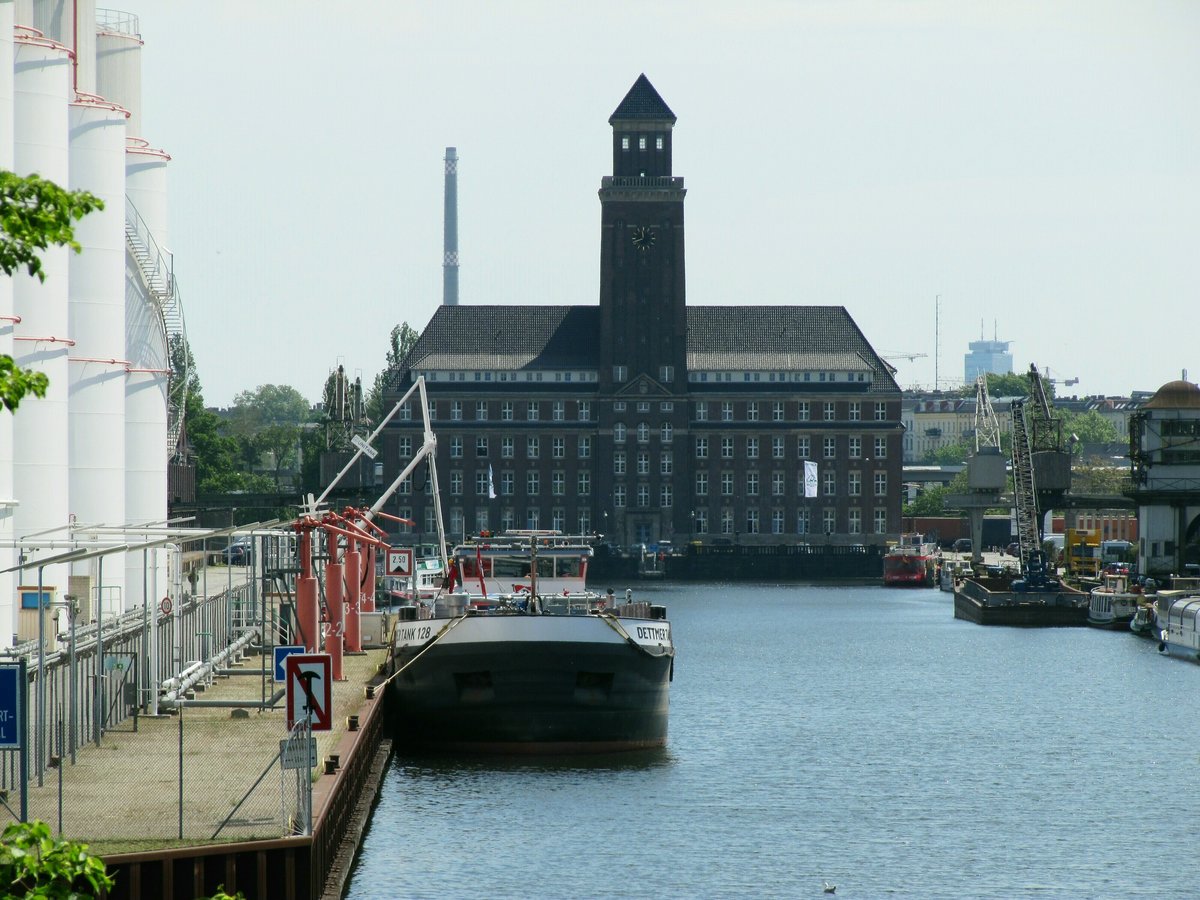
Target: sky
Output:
[{"x": 944, "y": 170}]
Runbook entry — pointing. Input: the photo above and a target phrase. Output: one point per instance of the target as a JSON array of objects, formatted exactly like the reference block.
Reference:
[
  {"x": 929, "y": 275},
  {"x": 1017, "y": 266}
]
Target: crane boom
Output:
[{"x": 987, "y": 426}]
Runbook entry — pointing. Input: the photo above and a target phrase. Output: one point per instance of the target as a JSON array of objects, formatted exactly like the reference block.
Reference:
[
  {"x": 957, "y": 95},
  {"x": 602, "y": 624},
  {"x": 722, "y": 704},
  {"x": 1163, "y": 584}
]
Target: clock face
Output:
[{"x": 643, "y": 237}]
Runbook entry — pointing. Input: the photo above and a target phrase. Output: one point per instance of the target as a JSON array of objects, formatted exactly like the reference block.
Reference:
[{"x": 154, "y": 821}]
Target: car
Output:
[
  {"x": 962, "y": 545},
  {"x": 1013, "y": 549},
  {"x": 239, "y": 552}
]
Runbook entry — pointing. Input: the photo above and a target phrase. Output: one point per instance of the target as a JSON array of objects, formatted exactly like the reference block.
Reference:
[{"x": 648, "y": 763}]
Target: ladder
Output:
[{"x": 1023, "y": 486}]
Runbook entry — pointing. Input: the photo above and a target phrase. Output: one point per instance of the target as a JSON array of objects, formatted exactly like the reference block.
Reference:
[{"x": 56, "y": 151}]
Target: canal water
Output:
[{"x": 860, "y": 736}]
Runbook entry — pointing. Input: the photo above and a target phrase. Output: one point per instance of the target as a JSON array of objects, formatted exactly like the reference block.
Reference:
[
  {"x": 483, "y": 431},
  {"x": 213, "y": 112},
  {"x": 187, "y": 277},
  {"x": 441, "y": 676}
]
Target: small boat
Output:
[
  {"x": 997, "y": 600},
  {"x": 911, "y": 562},
  {"x": 1114, "y": 602},
  {"x": 952, "y": 571},
  {"x": 1177, "y": 612},
  {"x": 520, "y": 657},
  {"x": 1142, "y": 623}
]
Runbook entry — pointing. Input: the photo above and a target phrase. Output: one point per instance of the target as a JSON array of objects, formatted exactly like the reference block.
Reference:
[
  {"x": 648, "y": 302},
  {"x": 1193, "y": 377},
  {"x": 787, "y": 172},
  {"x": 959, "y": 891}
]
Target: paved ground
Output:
[{"x": 125, "y": 794}]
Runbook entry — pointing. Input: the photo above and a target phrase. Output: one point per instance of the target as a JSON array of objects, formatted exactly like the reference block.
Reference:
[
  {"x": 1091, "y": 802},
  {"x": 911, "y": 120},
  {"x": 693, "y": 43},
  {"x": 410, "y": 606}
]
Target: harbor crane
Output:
[
  {"x": 987, "y": 426},
  {"x": 890, "y": 355}
]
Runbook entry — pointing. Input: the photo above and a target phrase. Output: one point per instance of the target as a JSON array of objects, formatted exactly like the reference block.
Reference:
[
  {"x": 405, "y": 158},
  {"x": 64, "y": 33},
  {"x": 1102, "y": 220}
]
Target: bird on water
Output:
[{"x": 828, "y": 888}]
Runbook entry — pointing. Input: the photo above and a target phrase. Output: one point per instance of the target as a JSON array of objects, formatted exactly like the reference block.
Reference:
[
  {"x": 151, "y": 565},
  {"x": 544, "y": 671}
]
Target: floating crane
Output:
[
  {"x": 987, "y": 426},
  {"x": 1036, "y": 432}
]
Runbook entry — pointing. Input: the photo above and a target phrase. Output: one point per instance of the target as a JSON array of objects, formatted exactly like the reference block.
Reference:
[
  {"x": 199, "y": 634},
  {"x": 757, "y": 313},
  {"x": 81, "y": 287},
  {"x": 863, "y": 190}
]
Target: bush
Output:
[{"x": 35, "y": 864}]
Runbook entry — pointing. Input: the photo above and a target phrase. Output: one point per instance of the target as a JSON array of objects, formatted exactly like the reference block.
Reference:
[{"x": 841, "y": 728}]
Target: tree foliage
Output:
[
  {"x": 35, "y": 864},
  {"x": 1008, "y": 384},
  {"x": 34, "y": 213},
  {"x": 267, "y": 422},
  {"x": 401, "y": 340},
  {"x": 1089, "y": 427}
]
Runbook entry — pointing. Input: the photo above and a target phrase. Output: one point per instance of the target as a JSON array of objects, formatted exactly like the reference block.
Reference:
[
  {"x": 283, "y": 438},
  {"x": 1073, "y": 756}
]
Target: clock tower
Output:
[{"x": 643, "y": 320}]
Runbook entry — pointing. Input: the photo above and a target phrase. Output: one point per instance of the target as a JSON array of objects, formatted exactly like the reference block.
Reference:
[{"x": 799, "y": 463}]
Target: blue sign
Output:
[
  {"x": 10, "y": 706},
  {"x": 281, "y": 655}
]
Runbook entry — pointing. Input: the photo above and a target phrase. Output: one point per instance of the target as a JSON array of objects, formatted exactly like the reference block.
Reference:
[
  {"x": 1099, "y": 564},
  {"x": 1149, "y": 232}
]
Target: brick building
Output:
[{"x": 642, "y": 418}]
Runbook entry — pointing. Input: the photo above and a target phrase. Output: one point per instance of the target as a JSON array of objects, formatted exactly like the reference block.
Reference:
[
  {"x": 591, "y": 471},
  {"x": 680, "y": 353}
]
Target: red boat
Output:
[{"x": 912, "y": 561}]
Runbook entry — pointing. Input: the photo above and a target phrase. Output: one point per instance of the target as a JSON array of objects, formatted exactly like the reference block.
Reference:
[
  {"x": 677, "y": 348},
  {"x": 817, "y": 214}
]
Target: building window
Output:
[
  {"x": 405, "y": 487},
  {"x": 666, "y": 432},
  {"x": 643, "y": 433},
  {"x": 881, "y": 411},
  {"x": 620, "y": 373},
  {"x": 666, "y": 374},
  {"x": 726, "y": 484},
  {"x": 658, "y": 142},
  {"x": 881, "y": 484},
  {"x": 855, "y": 412},
  {"x": 456, "y": 448},
  {"x": 752, "y": 521},
  {"x": 880, "y": 520},
  {"x": 829, "y": 409},
  {"x": 854, "y": 484},
  {"x": 701, "y": 448},
  {"x": 585, "y": 447},
  {"x": 533, "y": 447},
  {"x": 481, "y": 446},
  {"x": 855, "y": 447},
  {"x": 481, "y": 411},
  {"x": 558, "y": 518},
  {"x": 803, "y": 447},
  {"x": 641, "y": 142},
  {"x": 881, "y": 448},
  {"x": 506, "y": 447},
  {"x": 778, "y": 484},
  {"x": 855, "y": 522},
  {"x": 585, "y": 411},
  {"x": 701, "y": 484},
  {"x": 829, "y": 519},
  {"x": 430, "y": 519},
  {"x": 624, "y": 142},
  {"x": 533, "y": 518},
  {"x": 777, "y": 411},
  {"x": 584, "y": 484},
  {"x": 507, "y": 483},
  {"x": 618, "y": 406},
  {"x": 803, "y": 521},
  {"x": 643, "y": 406},
  {"x": 752, "y": 411},
  {"x": 481, "y": 483},
  {"x": 701, "y": 410},
  {"x": 619, "y": 433},
  {"x": 643, "y": 463},
  {"x": 533, "y": 483},
  {"x": 558, "y": 411},
  {"x": 506, "y": 411},
  {"x": 777, "y": 521},
  {"x": 726, "y": 410},
  {"x": 405, "y": 447},
  {"x": 456, "y": 521},
  {"x": 751, "y": 484},
  {"x": 558, "y": 483},
  {"x": 667, "y": 406},
  {"x": 726, "y": 520},
  {"x": 558, "y": 448},
  {"x": 700, "y": 521},
  {"x": 643, "y": 496},
  {"x": 665, "y": 463},
  {"x": 665, "y": 496},
  {"x": 829, "y": 446},
  {"x": 619, "y": 463},
  {"x": 456, "y": 483},
  {"x": 751, "y": 448},
  {"x": 531, "y": 411},
  {"x": 802, "y": 411},
  {"x": 585, "y": 521},
  {"x": 405, "y": 414},
  {"x": 776, "y": 448},
  {"x": 726, "y": 448},
  {"x": 830, "y": 480},
  {"x": 456, "y": 410},
  {"x": 619, "y": 496}
]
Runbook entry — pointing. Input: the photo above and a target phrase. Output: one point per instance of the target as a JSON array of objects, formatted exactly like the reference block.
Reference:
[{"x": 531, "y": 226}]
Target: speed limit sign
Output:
[{"x": 165, "y": 606}]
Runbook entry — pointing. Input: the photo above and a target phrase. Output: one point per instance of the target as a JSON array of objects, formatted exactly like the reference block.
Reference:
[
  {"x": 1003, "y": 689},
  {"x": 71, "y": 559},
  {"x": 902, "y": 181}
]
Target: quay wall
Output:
[{"x": 294, "y": 868}]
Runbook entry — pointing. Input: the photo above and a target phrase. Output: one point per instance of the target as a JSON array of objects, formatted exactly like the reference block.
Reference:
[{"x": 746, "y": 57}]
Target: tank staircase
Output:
[{"x": 158, "y": 277}]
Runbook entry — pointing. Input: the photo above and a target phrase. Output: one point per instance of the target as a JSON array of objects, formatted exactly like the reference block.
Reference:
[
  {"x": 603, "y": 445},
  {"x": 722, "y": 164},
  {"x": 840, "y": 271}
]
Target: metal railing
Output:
[{"x": 118, "y": 21}]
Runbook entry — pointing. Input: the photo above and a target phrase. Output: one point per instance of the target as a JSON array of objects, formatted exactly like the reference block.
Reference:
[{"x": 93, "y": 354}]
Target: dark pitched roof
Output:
[
  {"x": 720, "y": 338},
  {"x": 508, "y": 337},
  {"x": 642, "y": 102}
]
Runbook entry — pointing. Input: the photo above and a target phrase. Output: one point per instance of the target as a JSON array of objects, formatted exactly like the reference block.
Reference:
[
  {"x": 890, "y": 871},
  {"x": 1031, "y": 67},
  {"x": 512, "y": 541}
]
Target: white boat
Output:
[
  {"x": 1113, "y": 602},
  {"x": 521, "y": 658},
  {"x": 429, "y": 573},
  {"x": 952, "y": 571},
  {"x": 1142, "y": 622},
  {"x": 1176, "y": 612}
]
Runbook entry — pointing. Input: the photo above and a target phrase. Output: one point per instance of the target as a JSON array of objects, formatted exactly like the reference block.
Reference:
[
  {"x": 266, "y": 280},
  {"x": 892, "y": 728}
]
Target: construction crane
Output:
[
  {"x": 889, "y": 356},
  {"x": 987, "y": 426}
]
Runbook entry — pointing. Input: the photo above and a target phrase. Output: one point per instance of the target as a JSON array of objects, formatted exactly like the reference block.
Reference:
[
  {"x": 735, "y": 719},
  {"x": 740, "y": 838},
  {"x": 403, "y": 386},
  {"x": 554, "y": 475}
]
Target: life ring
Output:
[{"x": 165, "y": 606}]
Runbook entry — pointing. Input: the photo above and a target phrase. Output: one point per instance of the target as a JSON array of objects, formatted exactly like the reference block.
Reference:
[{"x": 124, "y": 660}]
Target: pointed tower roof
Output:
[{"x": 642, "y": 102}]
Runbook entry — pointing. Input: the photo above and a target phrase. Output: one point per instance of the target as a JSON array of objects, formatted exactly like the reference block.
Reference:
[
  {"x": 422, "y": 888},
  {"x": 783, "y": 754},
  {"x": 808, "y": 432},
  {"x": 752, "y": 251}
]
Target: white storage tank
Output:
[
  {"x": 41, "y": 91},
  {"x": 8, "y": 622},
  {"x": 119, "y": 63},
  {"x": 96, "y": 403},
  {"x": 60, "y": 21}
]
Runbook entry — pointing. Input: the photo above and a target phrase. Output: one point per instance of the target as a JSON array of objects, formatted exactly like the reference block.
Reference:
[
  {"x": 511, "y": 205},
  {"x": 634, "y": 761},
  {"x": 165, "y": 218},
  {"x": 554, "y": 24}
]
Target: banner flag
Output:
[
  {"x": 491, "y": 485},
  {"x": 810, "y": 478}
]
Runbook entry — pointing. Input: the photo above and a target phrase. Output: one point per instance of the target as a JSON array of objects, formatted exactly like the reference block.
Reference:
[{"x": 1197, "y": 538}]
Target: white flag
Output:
[
  {"x": 492, "y": 486},
  {"x": 810, "y": 478}
]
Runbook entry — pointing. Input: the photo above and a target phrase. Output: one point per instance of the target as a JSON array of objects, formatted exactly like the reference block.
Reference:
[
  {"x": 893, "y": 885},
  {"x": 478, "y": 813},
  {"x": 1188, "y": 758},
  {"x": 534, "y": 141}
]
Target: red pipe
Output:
[
  {"x": 334, "y": 573},
  {"x": 353, "y": 566},
  {"x": 368, "y": 597}
]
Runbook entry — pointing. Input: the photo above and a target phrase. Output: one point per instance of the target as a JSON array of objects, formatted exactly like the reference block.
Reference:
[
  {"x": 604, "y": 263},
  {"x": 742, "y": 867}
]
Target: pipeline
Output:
[
  {"x": 236, "y": 704},
  {"x": 178, "y": 686}
]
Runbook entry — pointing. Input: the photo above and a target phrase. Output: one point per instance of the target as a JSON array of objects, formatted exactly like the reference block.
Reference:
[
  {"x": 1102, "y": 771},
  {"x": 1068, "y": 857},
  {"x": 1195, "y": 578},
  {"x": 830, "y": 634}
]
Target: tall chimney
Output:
[{"x": 450, "y": 235}]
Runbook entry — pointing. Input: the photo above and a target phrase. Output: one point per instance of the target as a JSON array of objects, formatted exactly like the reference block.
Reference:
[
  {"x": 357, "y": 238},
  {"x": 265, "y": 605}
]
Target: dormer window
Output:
[{"x": 625, "y": 142}]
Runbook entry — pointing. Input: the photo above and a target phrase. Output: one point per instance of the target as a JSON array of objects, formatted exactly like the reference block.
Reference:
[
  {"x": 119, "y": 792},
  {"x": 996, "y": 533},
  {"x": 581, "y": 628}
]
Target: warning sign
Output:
[
  {"x": 309, "y": 690},
  {"x": 400, "y": 561}
]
